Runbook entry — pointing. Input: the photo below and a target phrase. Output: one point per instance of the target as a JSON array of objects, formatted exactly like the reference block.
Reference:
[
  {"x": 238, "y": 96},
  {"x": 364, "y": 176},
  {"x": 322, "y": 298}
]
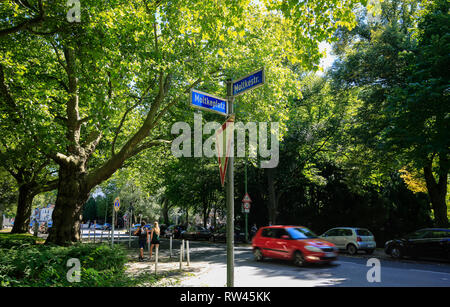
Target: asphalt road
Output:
[{"x": 346, "y": 271}]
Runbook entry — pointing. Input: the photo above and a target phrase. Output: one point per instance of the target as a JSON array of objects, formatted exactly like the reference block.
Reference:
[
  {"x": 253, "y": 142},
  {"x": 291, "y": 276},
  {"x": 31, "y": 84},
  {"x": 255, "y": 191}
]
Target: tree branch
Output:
[
  {"x": 147, "y": 145},
  {"x": 6, "y": 94},
  {"x": 28, "y": 23},
  {"x": 119, "y": 128},
  {"x": 116, "y": 161}
]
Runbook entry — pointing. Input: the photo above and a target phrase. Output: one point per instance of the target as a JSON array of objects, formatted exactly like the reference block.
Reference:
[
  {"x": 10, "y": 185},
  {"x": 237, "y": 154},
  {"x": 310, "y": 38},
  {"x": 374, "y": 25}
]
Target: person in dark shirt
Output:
[{"x": 142, "y": 233}]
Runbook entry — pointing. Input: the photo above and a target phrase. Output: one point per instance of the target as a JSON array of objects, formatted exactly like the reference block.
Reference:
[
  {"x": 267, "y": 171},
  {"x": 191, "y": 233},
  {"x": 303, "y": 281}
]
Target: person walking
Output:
[
  {"x": 154, "y": 238},
  {"x": 142, "y": 233},
  {"x": 253, "y": 230}
]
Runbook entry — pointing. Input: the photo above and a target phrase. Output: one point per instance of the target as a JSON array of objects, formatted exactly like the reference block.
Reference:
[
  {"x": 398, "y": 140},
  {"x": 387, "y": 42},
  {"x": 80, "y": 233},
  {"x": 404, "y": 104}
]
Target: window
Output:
[
  {"x": 268, "y": 233},
  {"x": 301, "y": 233},
  {"x": 420, "y": 234},
  {"x": 280, "y": 232},
  {"x": 344, "y": 232},
  {"x": 347, "y": 232},
  {"x": 438, "y": 234},
  {"x": 363, "y": 232},
  {"x": 332, "y": 233}
]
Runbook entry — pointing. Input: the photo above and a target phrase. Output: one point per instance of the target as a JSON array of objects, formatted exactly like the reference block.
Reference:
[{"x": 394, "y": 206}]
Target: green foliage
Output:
[
  {"x": 25, "y": 264},
  {"x": 8, "y": 193},
  {"x": 18, "y": 240},
  {"x": 395, "y": 65}
]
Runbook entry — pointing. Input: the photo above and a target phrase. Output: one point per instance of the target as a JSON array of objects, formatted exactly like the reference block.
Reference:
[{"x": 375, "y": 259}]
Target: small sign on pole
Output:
[
  {"x": 116, "y": 204},
  {"x": 224, "y": 138},
  {"x": 246, "y": 207},
  {"x": 246, "y": 198}
]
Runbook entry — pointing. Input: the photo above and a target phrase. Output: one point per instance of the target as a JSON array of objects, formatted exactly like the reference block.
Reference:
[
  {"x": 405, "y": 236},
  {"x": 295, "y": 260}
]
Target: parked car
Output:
[
  {"x": 174, "y": 230},
  {"x": 196, "y": 233},
  {"x": 98, "y": 226},
  {"x": 220, "y": 235},
  {"x": 135, "y": 227},
  {"x": 106, "y": 226},
  {"x": 433, "y": 243},
  {"x": 295, "y": 243},
  {"x": 351, "y": 239}
]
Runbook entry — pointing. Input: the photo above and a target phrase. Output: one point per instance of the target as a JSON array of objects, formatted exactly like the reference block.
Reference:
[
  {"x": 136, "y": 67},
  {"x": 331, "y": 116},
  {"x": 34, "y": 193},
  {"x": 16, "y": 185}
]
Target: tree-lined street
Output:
[{"x": 214, "y": 119}]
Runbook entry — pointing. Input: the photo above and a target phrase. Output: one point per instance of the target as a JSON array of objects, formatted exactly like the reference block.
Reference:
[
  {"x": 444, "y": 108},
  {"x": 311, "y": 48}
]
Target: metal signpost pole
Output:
[
  {"x": 246, "y": 213},
  {"x": 129, "y": 229},
  {"x": 112, "y": 226},
  {"x": 230, "y": 197}
]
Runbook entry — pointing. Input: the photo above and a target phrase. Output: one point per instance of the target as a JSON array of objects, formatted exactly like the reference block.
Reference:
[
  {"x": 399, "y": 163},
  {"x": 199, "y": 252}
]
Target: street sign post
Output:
[
  {"x": 249, "y": 82},
  {"x": 246, "y": 207},
  {"x": 205, "y": 101},
  {"x": 117, "y": 204},
  {"x": 116, "y": 208},
  {"x": 208, "y": 102},
  {"x": 230, "y": 200},
  {"x": 246, "y": 198}
]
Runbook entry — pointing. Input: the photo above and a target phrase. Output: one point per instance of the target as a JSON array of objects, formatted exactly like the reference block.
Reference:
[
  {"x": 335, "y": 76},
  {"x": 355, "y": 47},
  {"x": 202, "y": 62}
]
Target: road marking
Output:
[{"x": 425, "y": 271}]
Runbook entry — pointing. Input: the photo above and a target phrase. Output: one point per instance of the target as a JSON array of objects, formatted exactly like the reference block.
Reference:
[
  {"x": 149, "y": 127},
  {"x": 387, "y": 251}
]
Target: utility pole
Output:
[{"x": 230, "y": 197}]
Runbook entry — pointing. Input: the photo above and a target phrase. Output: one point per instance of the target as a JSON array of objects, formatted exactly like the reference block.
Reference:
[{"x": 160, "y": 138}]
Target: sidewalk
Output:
[{"x": 167, "y": 267}]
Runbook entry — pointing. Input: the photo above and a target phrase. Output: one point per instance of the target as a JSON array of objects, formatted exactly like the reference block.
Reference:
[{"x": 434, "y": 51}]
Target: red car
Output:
[{"x": 296, "y": 243}]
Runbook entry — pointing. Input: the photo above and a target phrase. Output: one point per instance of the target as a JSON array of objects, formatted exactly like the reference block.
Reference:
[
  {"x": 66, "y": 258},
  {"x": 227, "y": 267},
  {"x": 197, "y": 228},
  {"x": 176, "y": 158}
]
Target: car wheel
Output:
[
  {"x": 299, "y": 260},
  {"x": 257, "y": 253},
  {"x": 396, "y": 253},
  {"x": 351, "y": 249}
]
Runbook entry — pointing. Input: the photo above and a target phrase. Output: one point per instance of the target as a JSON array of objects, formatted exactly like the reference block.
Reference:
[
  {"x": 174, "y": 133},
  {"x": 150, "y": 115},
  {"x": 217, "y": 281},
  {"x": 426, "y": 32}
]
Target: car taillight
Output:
[{"x": 358, "y": 239}]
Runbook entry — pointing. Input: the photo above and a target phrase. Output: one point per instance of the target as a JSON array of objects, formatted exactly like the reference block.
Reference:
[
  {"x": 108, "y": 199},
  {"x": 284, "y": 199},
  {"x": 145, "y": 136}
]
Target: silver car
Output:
[{"x": 351, "y": 239}]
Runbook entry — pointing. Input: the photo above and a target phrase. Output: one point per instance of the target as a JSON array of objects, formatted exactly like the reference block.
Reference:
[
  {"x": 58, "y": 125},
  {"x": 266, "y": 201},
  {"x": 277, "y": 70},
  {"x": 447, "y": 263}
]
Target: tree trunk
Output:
[
  {"x": 205, "y": 216},
  {"x": 273, "y": 204},
  {"x": 73, "y": 192},
  {"x": 165, "y": 211},
  {"x": 24, "y": 204},
  {"x": 437, "y": 191}
]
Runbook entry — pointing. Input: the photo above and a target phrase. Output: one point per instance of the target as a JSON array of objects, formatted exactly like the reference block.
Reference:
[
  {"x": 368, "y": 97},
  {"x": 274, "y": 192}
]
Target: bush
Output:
[
  {"x": 8, "y": 240},
  {"x": 24, "y": 263}
]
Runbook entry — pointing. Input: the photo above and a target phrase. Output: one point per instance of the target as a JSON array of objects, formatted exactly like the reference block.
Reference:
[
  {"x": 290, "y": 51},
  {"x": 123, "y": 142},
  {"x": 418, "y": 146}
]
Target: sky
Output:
[{"x": 328, "y": 60}]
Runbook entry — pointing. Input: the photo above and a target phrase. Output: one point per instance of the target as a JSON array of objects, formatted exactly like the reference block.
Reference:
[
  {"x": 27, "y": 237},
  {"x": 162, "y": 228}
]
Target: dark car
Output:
[
  {"x": 174, "y": 231},
  {"x": 220, "y": 235},
  {"x": 433, "y": 243},
  {"x": 196, "y": 233}
]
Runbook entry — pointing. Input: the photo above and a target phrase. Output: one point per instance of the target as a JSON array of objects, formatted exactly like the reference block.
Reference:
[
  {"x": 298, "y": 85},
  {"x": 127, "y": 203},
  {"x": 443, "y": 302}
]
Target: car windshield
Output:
[{"x": 301, "y": 233}]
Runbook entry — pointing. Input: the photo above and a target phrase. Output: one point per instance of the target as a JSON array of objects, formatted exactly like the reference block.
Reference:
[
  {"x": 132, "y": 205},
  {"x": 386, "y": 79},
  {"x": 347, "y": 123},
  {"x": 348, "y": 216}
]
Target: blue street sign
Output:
[
  {"x": 116, "y": 204},
  {"x": 209, "y": 102},
  {"x": 248, "y": 82}
]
